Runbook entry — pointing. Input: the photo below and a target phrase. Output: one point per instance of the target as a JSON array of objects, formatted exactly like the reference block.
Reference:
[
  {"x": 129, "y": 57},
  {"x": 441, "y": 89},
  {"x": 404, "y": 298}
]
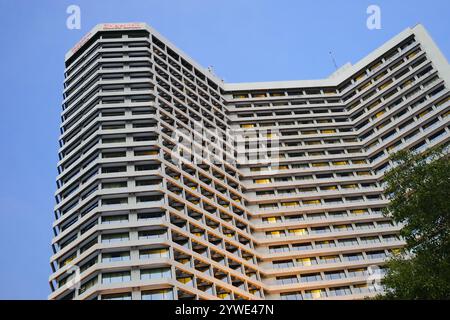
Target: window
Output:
[
  {"x": 385, "y": 224},
  {"x": 146, "y": 152},
  {"x": 328, "y": 188},
  {"x": 353, "y": 257},
  {"x": 376, "y": 255},
  {"x": 311, "y": 202},
  {"x": 297, "y": 217},
  {"x": 298, "y": 232},
  {"x": 117, "y": 296},
  {"x": 115, "y": 277},
  {"x": 151, "y": 215},
  {"x": 319, "y": 230},
  {"x": 287, "y": 279},
  {"x": 358, "y": 211},
  {"x": 334, "y": 275},
  {"x": 325, "y": 244},
  {"x": 115, "y": 219},
  {"x": 306, "y": 262},
  {"x": 114, "y": 154},
  {"x": 302, "y": 246},
  {"x": 261, "y": 181},
  {"x": 290, "y": 204},
  {"x": 113, "y": 140},
  {"x": 340, "y": 291},
  {"x": 342, "y": 227},
  {"x": 270, "y": 220},
  {"x": 152, "y": 234},
  {"x": 370, "y": 240},
  {"x": 114, "y": 169},
  {"x": 165, "y": 294},
  {"x": 114, "y": 201},
  {"x": 154, "y": 253},
  {"x": 88, "y": 264},
  {"x": 115, "y": 237},
  {"x": 291, "y": 296},
  {"x": 360, "y": 272},
  {"x": 283, "y": 264},
  {"x": 320, "y": 164},
  {"x": 264, "y": 193},
  {"x": 348, "y": 242},
  {"x": 186, "y": 280},
  {"x": 88, "y": 284},
  {"x": 275, "y": 234},
  {"x": 363, "y": 288},
  {"x": 315, "y": 294},
  {"x": 160, "y": 273},
  {"x": 340, "y": 163},
  {"x": 154, "y": 198},
  {"x": 268, "y": 206},
  {"x": 365, "y": 226},
  {"x": 390, "y": 238},
  {"x": 277, "y": 249},
  {"x": 330, "y": 259},
  {"x": 116, "y": 256}
]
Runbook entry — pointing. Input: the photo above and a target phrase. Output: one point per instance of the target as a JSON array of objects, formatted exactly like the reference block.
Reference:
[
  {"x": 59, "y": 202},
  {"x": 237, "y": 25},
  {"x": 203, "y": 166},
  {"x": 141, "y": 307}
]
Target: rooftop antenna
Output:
[{"x": 334, "y": 60}]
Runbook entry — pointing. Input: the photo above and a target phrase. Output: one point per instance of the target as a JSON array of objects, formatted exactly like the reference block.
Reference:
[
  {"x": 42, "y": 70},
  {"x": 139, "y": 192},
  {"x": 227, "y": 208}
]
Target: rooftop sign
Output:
[
  {"x": 122, "y": 26},
  {"x": 108, "y": 27}
]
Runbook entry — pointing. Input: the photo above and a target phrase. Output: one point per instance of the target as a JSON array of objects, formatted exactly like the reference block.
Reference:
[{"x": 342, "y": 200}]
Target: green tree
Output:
[{"x": 419, "y": 191}]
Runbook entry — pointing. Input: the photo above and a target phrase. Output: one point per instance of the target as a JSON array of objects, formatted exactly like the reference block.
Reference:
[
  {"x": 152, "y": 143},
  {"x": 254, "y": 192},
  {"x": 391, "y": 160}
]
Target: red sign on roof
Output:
[{"x": 122, "y": 26}]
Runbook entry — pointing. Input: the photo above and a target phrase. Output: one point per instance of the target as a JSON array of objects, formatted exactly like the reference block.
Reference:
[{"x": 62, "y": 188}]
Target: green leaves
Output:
[{"x": 419, "y": 191}]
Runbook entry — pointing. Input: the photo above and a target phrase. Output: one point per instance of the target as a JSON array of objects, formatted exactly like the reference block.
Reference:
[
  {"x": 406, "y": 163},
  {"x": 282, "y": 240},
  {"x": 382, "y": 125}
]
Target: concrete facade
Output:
[{"x": 175, "y": 185}]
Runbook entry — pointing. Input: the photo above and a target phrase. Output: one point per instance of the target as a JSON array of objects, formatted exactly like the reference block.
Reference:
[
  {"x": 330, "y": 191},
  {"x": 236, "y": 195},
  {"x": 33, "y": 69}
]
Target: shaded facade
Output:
[{"x": 175, "y": 185}]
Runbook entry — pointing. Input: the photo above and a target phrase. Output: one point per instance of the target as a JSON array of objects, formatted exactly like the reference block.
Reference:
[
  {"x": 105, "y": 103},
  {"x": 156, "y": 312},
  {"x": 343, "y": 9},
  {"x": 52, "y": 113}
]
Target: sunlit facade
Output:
[{"x": 175, "y": 185}]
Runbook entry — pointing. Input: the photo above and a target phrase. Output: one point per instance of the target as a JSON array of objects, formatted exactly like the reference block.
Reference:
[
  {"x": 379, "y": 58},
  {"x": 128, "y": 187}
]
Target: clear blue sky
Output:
[{"x": 257, "y": 40}]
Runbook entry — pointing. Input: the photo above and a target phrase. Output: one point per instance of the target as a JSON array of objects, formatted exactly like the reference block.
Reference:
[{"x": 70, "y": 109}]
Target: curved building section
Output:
[{"x": 175, "y": 185}]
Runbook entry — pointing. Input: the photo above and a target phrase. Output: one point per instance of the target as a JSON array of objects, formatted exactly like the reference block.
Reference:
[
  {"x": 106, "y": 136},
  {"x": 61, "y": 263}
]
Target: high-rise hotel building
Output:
[{"x": 175, "y": 185}]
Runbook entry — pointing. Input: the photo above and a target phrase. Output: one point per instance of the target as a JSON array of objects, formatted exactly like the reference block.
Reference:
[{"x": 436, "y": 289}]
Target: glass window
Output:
[
  {"x": 165, "y": 294},
  {"x": 152, "y": 234},
  {"x": 340, "y": 291},
  {"x": 154, "y": 253},
  {"x": 311, "y": 277},
  {"x": 302, "y": 246},
  {"x": 353, "y": 257},
  {"x": 325, "y": 244},
  {"x": 359, "y": 272},
  {"x": 283, "y": 264},
  {"x": 115, "y": 218},
  {"x": 334, "y": 275},
  {"x": 160, "y": 273},
  {"x": 298, "y": 232},
  {"x": 287, "y": 279},
  {"x": 306, "y": 262},
  {"x": 330, "y": 259},
  {"x": 115, "y": 277},
  {"x": 275, "y": 234},
  {"x": 116, "y": 256},
  {"x": 315, "y": 294},
  {"x": 117, "y": 296},
  {"x": 115, "y": 237},
  {"x": 261, "y": 181},
  {"x": 376, "y": 255},
  {"x": 291, "y": 296},
  {"x": 276, "y": 249}
]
